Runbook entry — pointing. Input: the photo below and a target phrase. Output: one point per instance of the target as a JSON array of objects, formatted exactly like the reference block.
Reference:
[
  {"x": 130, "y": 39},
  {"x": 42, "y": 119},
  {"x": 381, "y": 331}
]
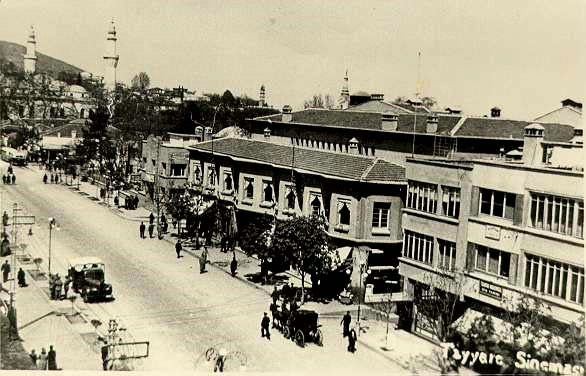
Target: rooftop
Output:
[
  {"x": 329, "y": 164},
  {"x": 461, "y": 126}
]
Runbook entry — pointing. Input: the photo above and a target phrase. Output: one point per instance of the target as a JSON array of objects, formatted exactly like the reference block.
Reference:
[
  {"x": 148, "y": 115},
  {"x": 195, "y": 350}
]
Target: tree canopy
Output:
[{"x": 140, "y": 81}]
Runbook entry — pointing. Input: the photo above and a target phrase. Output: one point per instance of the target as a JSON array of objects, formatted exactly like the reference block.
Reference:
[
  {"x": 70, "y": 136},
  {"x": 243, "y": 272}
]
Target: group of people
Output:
[
  {"x": 45, "y": 360},
  {"x": 164, "y": 226},
  {"x": 130, "y": 203},
  {"x": 349, "y": 332},
  {"x": 10, "y": 177},
  {"x": 20, "y": 276},
  {"x": 59, "y": 288},
  {"x": 55, "y": 178}
]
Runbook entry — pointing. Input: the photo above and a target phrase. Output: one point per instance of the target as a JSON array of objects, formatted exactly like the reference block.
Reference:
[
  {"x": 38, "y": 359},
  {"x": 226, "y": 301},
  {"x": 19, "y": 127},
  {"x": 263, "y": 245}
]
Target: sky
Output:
[{"x": 523, "y": 56}]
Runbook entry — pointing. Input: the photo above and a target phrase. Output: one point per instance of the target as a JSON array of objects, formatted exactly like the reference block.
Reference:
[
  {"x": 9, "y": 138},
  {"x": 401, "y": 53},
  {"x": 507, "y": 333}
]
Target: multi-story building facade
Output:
[
  {"x": 503, "y": 229},
  {"x": 359, "y": 196}
]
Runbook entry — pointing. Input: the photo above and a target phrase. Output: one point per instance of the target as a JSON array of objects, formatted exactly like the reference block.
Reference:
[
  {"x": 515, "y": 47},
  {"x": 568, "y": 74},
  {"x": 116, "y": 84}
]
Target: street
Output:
[{"x": 165, "y": 300}]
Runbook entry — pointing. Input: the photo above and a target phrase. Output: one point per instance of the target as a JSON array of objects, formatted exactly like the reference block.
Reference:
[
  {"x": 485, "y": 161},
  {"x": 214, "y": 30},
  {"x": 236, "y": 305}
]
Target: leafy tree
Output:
[
  {"x": 254, "y": 237},
  {"x": 140, "y": 81},
  {"x": 305, "y": 242}
]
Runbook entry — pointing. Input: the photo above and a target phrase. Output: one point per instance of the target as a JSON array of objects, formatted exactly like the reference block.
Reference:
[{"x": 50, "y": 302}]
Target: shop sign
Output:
[
  {"x": 522, "y": 361},
  {"x": 491, "y": 290},
  {"x": 492, "y": 232}
]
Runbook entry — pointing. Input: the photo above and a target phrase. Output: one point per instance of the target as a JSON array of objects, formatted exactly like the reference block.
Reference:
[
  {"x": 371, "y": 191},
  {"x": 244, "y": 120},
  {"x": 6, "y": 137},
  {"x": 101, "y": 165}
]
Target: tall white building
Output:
[
  {"x": 110, "y": 58},
  {"x": 30, "y": 58}
]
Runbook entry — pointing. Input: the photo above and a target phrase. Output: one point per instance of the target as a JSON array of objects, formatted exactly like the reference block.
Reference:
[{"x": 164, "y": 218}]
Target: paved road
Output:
[{"x": 165, "y": 300}]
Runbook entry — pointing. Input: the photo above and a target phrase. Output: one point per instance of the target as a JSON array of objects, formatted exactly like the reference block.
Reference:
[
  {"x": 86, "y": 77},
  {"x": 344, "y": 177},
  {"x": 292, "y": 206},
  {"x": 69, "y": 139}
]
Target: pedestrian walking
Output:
[
  {"x": 52, "y": 359},
  {"x": 151, "y": 229},
  {"x": 45, "y": 179},
  {"x": 275, "y": 294},
  {"x": 233, "y": 265},
  {"x": 105, "y": 358},
  {"x": 151, "y": 218},
  {"x": 264, "y": 326},
  {"x": 34, "y": 357},
  {"x": 135, "y": 202},
  {"x": 5, "y": 271},
  {"x": 178, "y": 248},
  {"x": 203, "y": 260},
  {"x": 13, "y": 179},
  {"x": 346, "y": 323},
  {"x": 42, "y": 360},
  {"x": 66, "y": 285},
  {"x": 274, "y": 308},
  {"x": 142, "y": 228},
  {"x": 21, "y": 278},
  {"x": 352, "y": 341},
  {"x": 10, "y": 169},
  {"x": 58, "y": 287},
  {"x": 5, "y": 218}
]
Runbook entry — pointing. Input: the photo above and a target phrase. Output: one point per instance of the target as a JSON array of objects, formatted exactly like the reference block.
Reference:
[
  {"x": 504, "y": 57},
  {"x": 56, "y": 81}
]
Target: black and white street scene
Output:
[{"x": 299, "y": 186}]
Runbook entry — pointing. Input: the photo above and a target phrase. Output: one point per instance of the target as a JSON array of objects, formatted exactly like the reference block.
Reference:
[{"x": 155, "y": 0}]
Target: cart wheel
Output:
[
  {"x": 286, "y": 332},
  {"x": 319, "y": 338},
  {"x": 300, "y": 339}
]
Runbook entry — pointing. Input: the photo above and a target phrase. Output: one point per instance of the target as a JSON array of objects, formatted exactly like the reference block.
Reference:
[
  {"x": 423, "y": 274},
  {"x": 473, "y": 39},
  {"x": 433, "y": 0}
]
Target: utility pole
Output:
[{"x": 156, "y": 186}]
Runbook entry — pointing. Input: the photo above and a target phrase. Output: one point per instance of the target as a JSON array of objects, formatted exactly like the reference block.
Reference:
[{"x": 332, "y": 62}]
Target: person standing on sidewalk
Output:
[
  {"x": 66, "y": 285},
  {"x": 58, "y": 287},
  {"x": 203, "y": 260},
  {"x": 178, "y": 248},
  {"x": 52, "y": 359},
  {"x": 151, "y": 229},
  {"x": 233, "y": 265},
  {"x": 5, "y": 271},
  {"x": 21, "y": 278},
  {"x": 13, "y": 179},
  {"x": 45, "y": 179},
  {"x": 151, "y": 218},
  {"x": 42, "y": 361},
  {"x": 352, "y": 341},
  {"x": 34, "y": 357},
  {"x": 141, "y": 229},
  {"x": 264, "y": 327},
  {"x": 346, "y": 320}
]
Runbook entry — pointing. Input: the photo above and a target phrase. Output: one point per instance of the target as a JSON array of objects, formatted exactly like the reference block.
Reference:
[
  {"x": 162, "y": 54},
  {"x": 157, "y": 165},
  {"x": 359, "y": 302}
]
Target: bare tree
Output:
[{"x": 320, "y": 101}]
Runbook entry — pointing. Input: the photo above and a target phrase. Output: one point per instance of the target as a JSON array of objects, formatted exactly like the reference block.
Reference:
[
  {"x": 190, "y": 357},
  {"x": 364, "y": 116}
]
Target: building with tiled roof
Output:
[
  {"x": 360, "y": 196},
  {"x": 394, "y": 137}
]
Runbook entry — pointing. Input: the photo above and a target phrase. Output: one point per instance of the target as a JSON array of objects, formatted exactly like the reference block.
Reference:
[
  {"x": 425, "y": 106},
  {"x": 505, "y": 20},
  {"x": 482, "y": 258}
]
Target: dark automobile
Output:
[
  {"x": 88, "y": 278},
  {"x": 302, "y": 326}
]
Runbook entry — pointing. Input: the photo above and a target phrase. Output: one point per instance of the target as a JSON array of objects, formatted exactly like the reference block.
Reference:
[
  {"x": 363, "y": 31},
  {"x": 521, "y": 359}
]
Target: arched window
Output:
[
  {"x": 344, "y": 215},
  {"x": 249, "y": 189},
  {"x": 316, "y": 206},
  {"x": 211, "y": 178},
  {"x": 291, "y": 200},
  {"x": 268, "y": 197},
  {"x": 197, "y": 175},
  {"x": 228, "y": 182}
]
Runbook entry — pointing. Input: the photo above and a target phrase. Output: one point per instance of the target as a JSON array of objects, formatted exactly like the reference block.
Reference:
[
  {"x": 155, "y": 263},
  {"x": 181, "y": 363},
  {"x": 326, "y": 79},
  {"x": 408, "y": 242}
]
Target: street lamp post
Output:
[
  {"x": 52, "y": 224},
  {"x": 364, "y": 272}
]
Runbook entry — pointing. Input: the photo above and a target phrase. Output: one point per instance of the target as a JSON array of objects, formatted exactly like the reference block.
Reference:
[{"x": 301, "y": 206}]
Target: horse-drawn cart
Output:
[{"x": 302, "y": 326}]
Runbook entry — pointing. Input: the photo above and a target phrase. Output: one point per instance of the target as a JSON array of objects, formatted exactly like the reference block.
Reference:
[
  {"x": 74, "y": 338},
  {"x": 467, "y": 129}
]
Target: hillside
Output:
[{"x": 14, "y": 52}]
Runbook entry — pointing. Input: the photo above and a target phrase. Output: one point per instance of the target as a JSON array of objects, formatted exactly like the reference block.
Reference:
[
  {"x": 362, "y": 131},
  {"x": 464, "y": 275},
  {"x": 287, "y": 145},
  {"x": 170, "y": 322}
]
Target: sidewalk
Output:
[{"x": 43, "y": 322}]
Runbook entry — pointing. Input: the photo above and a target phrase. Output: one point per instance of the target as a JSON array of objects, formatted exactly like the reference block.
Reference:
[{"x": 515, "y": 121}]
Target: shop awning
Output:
[{"x": 340, "y": 257}]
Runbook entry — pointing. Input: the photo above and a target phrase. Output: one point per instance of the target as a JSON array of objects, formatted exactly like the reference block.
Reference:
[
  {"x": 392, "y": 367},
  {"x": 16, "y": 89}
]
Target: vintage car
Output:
[
  {"x": 303, "y": 325},
  {"x": 87, "y": 276}
]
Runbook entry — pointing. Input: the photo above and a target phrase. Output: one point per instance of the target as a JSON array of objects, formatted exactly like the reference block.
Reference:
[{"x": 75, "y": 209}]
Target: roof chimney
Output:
[
  {"x": 353, "y": 146},
  {"x": 267, "y": 133},
  {"x": 390, "y": 122},
  {"x": 495, "y": 112},
  {"x": 287, "y": 116},
  {"x": 431, "y": 126},
  {"x": 532, "y": 144}
]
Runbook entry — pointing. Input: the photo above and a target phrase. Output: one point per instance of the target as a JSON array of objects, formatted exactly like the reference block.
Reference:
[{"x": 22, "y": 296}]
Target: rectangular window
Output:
[
  {"x": 450, "y": 201},
  {"x": 497, "y": 203},
  {"x": 492, "y": 261},
  {"x": 422, "y": 196},
  {"x": 557, "y": 214},
  {"x": 178, "y": 169},
  {"x": 381, "y": 212},
  {"x": 555, "y": 278},
  {"x": 418, "y": 247},
  {"x": 447, "y": 255}
]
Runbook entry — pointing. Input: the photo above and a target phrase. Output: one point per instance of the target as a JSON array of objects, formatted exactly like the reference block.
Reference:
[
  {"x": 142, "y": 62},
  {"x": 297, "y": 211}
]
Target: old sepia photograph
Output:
[{"x": 319, "y": 187}]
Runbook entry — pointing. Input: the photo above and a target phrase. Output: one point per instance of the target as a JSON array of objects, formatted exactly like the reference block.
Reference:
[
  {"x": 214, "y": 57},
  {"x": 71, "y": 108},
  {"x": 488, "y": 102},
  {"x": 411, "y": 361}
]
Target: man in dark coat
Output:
[
  {"x": 151, "y": 230},
  {"x": 178, "y": 248},
  {"x": 5, "y": 271},
  {"x": 203, "y": 260},
  {"x": 21, "y": 278},
  {"x": 52, "y": 359},
  {"x": 151, "y": 218},
  {"x": 264, "y": 326},
  {"x": 5, "y": 218},
  {"x": 13, "y": 179},
  {"x": 45, "y": 179},
  {"x": 141, "y": 229},
  {"x": 352, "y": 341},
  {"x": 275, "y": 294},
  {"x": 346, "y": 323},
  {"x": 233, "y": 266}
]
